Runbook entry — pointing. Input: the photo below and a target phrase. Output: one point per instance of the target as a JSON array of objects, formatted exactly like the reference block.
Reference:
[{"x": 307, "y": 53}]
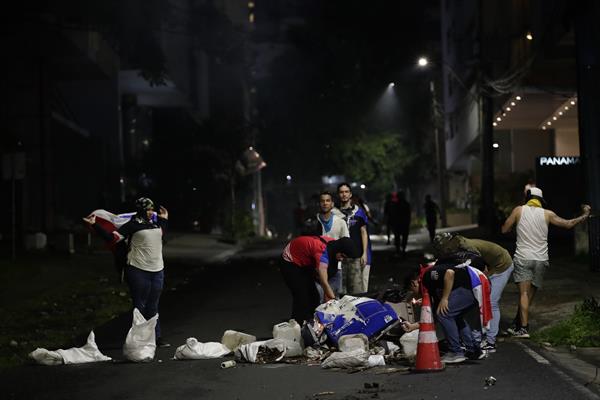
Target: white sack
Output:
[
  {"x": 195, "y": 350},
  {"x": 75, "y": 355},
  {"x": 46, "y": 357},
  {"x": 140, "y": 343},
  {"x": 85, "y": 354},
  {"x": 347, "y": 359},
  {"x": 255, "y": 352},
  {"x": 376, "y": 360},
  {"x": 409, "y": 342},
  {"x": 353, "y": 342}
]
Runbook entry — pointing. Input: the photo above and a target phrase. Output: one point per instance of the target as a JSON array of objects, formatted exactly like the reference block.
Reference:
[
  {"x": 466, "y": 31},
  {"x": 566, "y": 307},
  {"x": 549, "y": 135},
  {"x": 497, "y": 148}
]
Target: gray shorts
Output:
[{"x": 530, "y": 270}]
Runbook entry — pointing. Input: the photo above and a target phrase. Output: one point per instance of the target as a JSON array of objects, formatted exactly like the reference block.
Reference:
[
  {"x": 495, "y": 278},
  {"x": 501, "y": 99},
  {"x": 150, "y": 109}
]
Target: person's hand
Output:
[
  {"x": 442, "y": 308},
  {"x": 326, "y": 298},
  {"x": 408, "y": 327},
  {"x": 363, "y": 260},
  {"x": 90, "y": 219},
  {"x": 586, "y": 208},
  {"x": 163, "y": 213}
]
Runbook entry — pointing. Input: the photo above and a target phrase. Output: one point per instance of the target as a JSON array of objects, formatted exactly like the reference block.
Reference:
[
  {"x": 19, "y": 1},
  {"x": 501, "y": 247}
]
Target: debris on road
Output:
[
  {"x": 74, "y": 355},
  {"x": 140, "y": 343},
  {"x": 195, "y": 350},
  {"x": 228, "y": 364},
  {"x": 268, "y": 351},
  {"x": 490, "y": 381},
  {"x": 234, "y": 339}
]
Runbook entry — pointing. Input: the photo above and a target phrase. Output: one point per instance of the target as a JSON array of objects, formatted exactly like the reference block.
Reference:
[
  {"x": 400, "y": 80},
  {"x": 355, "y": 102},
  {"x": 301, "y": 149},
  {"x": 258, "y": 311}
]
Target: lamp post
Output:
[{"x": 440, "y": 145}]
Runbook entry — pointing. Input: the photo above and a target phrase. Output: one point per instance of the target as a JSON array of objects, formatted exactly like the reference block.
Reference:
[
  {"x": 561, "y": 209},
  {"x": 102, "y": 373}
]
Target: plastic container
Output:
[
  {"x": 353, "y": 342},
  {"x": 290, "y": 333},
  {"x": 234, "y": 339}
]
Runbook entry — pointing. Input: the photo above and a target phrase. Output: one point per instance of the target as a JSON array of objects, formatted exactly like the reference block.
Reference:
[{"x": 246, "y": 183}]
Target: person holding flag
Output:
[{"x": 143, "y": 263}]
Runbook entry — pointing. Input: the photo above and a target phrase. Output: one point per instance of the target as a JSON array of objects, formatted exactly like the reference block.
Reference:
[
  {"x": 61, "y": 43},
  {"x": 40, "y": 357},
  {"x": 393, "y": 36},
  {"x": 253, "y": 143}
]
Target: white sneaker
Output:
[{"x": 453, "y": 358}]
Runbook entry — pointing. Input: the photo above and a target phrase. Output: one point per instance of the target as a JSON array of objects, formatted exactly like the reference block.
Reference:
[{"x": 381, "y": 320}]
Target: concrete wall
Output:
[{"x": 566, "y": 142}]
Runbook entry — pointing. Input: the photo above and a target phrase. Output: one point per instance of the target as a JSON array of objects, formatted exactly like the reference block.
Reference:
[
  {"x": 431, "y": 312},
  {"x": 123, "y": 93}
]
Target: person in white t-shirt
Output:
[
  {"x": 531, "y": 255},
  {"x": 335, "y": 227}
]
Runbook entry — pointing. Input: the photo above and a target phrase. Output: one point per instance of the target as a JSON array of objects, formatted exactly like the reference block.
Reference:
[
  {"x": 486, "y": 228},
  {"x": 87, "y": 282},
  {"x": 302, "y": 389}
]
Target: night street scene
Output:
[{"x": 300, "y": 199}]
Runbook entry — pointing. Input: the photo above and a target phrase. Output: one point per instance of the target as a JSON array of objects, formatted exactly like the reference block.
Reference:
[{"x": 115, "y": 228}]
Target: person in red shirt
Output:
[{"x": 307, "y": 258}]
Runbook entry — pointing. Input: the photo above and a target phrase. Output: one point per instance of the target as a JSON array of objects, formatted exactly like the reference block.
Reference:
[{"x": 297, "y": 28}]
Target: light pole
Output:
[{"x": 440, "y": 145}]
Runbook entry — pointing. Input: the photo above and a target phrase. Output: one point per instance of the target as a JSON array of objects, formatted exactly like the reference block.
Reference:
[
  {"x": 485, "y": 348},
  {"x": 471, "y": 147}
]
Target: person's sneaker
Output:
[
  {"x": 477, "y": 354},
  {"x": 162, "y": 343},
  {"x": 521, "y": 333},
  {"x": 453, "y": 358},
  {"x": 488, "y": 347}
]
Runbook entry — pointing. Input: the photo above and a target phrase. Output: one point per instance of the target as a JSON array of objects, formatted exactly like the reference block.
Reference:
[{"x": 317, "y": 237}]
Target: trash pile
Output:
[{"x": 349, "y": 333}]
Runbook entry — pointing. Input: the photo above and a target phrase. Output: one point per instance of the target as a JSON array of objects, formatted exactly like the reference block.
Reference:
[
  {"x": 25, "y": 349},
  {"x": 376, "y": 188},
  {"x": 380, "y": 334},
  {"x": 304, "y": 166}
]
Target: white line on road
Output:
[{"x": 576, "y": 385}]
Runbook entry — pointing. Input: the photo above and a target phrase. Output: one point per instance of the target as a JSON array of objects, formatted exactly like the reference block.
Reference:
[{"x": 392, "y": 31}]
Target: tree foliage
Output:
[{"x": 375, "y": 159}]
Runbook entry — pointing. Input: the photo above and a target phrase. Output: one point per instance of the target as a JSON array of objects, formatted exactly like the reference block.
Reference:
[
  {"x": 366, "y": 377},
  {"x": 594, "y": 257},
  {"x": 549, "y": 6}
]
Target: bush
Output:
[{"x": 580, "y": 329}]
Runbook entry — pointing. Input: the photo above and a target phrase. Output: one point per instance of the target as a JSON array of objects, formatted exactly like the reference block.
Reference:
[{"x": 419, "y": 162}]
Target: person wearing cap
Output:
[
  {"x": 144, "y": 272},
  {"x": 310, "y": 258},
  {"x": 531, "y": 255}
]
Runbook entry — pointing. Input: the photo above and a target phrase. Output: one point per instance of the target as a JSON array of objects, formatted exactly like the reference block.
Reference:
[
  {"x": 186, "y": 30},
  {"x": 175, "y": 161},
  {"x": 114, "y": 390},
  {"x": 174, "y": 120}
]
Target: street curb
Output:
[{"x": 580, "y": 374}]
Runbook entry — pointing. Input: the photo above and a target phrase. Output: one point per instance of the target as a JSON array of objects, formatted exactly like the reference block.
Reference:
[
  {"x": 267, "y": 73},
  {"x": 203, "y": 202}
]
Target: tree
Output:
[{"x": 375, "y": 159}]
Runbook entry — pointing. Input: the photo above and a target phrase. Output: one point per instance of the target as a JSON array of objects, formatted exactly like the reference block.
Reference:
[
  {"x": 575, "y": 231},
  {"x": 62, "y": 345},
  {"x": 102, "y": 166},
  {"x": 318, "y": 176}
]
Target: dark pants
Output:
[
  {"x": 400, "y": 231},
  {"x": 431, "y": 223},
  {"x": 145, "y": 288},
  {"x": 301, "y": 282}
]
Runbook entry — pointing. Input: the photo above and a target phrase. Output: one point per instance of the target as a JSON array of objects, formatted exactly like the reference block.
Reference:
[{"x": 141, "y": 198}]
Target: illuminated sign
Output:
[{"x": 558, "y": 160}]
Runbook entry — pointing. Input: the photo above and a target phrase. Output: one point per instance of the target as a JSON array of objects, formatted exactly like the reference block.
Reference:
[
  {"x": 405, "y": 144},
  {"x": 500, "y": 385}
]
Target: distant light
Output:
[
  {"x": 548, "y": 123},
  {"x": 572, "y": 102},
  {"x": 194, "y": 189},
  {"x": 354, "y": 184},
  {"x": 495, "y": 145},
  {"x": 498, "y": 119},
  {"x": 512, "y": 103},
  {"x": 132, "y": 131},
  {"x": 392, "y": 84},
  {"x": 121, "y": 180},
  {"x": 250, "y": 148},
  {"x": 363, "y": 186},
  {"x": 518, "y": 98},
  {"x": 566, "y": 107},
  {"x": 554, "y": 118},
  {"x": 529, "y": 36},
  {"x": 253, "y": 206},
  {"x": 543, "y": 127},
  {"x": 422, "y": 62},
  {"x": 504, "y": 114},
  {"x": 508, "y": 108},
  {"x": 560, "y": 113},
  {"x": 251, "y": 4},
  {"x": 288, "y": 177},
  {"x": 495, "y": 124},
  {"x": 251, "y": 18},
  {"x": 196, "y": 223},
  {"x": 145, "y": 142}
]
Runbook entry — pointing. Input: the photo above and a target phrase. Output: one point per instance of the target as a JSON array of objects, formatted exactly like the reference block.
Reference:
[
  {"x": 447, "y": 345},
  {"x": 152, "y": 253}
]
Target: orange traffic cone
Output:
[{"x": 428, "y": 353}]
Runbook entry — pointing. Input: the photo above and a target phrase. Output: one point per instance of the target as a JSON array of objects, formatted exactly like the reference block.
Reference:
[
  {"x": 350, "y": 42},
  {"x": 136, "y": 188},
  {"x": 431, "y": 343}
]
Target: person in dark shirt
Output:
[
  {"x": 431, "y": 212},
  {"x": 449, "y": 284}
]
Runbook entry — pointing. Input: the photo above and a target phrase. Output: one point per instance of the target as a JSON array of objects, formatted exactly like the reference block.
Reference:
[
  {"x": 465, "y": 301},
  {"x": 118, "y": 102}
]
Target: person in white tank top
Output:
[{"x": 531, "y": 255}]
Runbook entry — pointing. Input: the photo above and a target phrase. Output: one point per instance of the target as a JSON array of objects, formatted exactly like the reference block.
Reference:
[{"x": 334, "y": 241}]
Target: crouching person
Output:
[
  {"x": 310, "y": 258},
  {"x": 453, "y": 289}
]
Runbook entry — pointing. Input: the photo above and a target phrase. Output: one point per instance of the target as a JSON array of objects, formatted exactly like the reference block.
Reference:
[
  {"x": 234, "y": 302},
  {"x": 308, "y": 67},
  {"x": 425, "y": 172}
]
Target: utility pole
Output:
[
  {"x": 588, "y": 86},
  {"x": 440, "y": 153}
]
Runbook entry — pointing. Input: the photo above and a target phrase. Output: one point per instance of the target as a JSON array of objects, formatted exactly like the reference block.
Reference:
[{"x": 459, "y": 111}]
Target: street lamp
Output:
[{"x": 440, "y": 144}]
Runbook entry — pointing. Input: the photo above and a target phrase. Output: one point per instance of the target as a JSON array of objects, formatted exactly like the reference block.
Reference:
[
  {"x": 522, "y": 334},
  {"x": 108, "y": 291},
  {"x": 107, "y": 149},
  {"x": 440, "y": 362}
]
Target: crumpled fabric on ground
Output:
[
  {"x": 75, "y": 355},
  {"x": 409, "y": 342},
  {"x": 347, "y": 359},
  {"x": 268, "y": 351},
  {"x": 195, "y": 350}
]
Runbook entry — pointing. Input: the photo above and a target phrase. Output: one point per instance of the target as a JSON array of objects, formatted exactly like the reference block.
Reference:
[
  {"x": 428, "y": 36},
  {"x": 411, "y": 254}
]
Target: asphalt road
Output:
[{"x": 248, "y": 295}]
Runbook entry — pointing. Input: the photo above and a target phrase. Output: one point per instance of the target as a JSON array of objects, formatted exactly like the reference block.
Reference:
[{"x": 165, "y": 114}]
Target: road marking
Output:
[
  {"x": 576, "y": 385},
  {"x": 533, "y": 354}
]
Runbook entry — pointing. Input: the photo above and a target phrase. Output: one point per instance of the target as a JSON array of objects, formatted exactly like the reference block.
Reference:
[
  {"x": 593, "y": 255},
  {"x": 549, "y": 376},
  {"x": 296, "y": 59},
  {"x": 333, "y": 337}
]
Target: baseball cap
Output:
[{"x": 535, "y": 191}]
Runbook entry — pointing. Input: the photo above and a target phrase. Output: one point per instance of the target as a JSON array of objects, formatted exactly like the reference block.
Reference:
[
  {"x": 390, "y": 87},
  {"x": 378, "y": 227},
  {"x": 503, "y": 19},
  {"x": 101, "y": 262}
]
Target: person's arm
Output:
[
  {"x": 409, "y": 327},
  {"x": 103, "y": 233},
  {"x": 448, "y": 284},
  {"x": 364, "y": 236},
  {"x": 512, "y": 219},
  {"x": 567, "y": 223},
  {"x": 324, "y": 282},
  {"x": 163, "y": 216}
]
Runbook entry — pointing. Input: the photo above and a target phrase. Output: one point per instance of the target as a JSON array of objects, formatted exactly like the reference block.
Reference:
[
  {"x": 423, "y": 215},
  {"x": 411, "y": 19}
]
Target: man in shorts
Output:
[{"x": 531, "y": 255}]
